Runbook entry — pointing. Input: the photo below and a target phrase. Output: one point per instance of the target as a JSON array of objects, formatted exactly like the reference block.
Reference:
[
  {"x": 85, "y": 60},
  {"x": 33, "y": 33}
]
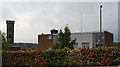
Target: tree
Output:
[
  {"x": 64, "y": 39},
  {"x": 5, "y": 42},
  {"x": 0, "y": 41},
  {"x": 33, "y": 48}
]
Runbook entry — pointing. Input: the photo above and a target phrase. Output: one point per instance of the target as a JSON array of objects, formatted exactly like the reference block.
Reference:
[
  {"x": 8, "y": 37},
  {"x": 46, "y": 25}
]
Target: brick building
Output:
[
  {"x": 108, "y": 38},
  {"x": 45, "y": 41},
  {"x": 10, "y": 31},
  {"x": 83, "y": 39}
]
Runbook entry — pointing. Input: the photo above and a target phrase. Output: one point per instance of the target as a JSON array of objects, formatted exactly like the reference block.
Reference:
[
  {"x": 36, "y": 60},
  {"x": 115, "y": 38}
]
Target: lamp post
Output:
[{"x": 101, "y": 24}]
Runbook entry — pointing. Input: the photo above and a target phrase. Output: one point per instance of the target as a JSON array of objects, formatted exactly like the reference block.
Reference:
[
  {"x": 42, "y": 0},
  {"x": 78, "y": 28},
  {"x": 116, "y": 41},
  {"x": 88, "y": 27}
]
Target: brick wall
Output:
[
  {"x": 45, "y": 41},
  {"x": 10, "y": 33},
  {"x": 108, "y": 38}
]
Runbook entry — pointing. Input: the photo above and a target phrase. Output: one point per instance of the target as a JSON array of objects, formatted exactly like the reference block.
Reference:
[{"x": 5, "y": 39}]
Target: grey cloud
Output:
[{"x": 34, "y": 18}]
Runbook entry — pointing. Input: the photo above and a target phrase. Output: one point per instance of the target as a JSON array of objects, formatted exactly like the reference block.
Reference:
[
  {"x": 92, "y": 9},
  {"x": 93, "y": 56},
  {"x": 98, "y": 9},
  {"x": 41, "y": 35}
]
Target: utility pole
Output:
[{"x": 101, "y": 24}]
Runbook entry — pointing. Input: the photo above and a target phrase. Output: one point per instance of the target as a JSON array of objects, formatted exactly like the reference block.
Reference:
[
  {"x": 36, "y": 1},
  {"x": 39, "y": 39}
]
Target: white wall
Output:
[{"x": 84, "y": 40}]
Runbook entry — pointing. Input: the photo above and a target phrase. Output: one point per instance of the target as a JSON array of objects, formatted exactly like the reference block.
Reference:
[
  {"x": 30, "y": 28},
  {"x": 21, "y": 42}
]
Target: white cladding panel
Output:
[{"x": 82, "y": 38}]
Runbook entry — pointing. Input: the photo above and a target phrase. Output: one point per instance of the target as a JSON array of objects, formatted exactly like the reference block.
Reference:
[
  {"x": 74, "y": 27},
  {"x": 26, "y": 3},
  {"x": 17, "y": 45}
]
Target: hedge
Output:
[{"x": 106, "y": 56}]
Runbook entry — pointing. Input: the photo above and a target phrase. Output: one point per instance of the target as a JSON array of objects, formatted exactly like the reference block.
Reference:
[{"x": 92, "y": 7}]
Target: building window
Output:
[
  {"x": 10, "y": 29},
  {"x": 49, "y": 37},
  {"x": 9, "y": 35},
  {"x": 10, "y": 41}
]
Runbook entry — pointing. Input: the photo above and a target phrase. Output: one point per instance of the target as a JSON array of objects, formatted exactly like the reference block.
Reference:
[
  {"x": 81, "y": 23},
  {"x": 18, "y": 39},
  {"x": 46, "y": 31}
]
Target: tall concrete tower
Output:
[{"x": 10, "y": 31}]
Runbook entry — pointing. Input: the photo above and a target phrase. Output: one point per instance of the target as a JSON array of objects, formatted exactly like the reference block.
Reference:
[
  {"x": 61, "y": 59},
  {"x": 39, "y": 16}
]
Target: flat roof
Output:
[
  {"x": 10, "y": 21},
  {"x": 86, "y": 32},
  {"x": 93, "y": 32},
  {"x": 44, "y": 34}
]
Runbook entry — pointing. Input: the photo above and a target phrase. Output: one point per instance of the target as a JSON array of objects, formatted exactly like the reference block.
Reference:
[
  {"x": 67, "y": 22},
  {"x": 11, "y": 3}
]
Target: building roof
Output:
[
  {"x": 94, "y": 32},
  {"x": 44, "y": 34},
  {"x": 10, "y": 21},
  {"x": 85, "y": 32}
]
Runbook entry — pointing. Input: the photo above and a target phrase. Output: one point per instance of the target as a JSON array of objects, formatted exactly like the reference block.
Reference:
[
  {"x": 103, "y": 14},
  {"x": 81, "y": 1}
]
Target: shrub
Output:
[{"x": 84, "y": 56}]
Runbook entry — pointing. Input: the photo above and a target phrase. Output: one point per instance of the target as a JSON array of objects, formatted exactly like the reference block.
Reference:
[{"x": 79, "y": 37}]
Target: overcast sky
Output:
[{"x": 34, "y": 18}]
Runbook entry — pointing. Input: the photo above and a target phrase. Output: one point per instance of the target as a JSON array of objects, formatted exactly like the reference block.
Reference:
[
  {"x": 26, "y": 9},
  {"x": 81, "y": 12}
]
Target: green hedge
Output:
[{"x": 83, "y": 56}]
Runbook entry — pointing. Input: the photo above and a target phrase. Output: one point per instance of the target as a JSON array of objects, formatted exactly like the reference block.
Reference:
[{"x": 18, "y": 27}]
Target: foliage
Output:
[
  {"x": 64, "y": 39},
  {"x": 29, "y": 46},
  {"x": 33, "y": 48},
  {"x": 0, "y": 40},
  {"x": 18, "y": 58},
  {"x": 83, "y": 57},
  {"x": 5, "y": 42}
]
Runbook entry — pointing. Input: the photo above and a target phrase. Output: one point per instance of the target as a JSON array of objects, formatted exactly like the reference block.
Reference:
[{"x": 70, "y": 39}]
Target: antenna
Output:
[
  {"x": 101, "y": 2},
  {"x": 81, "y": 21},
  {"x": 81, "y": 29}
]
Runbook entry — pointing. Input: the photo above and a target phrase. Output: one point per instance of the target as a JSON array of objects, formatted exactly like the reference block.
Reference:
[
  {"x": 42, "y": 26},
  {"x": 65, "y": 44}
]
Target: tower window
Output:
[
  {"x": 10, "y": 35},
  {"x": 10, "y": 29},
  {"x": 10, "y": 41}
]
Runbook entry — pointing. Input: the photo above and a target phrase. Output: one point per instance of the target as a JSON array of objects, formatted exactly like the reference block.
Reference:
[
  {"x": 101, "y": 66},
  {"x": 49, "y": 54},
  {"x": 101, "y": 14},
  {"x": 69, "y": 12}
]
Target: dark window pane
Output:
[
  {"x": 10, "y": 29},
  {"x": 10, "y": 35},
  {"x": 10, "y": 41}
]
